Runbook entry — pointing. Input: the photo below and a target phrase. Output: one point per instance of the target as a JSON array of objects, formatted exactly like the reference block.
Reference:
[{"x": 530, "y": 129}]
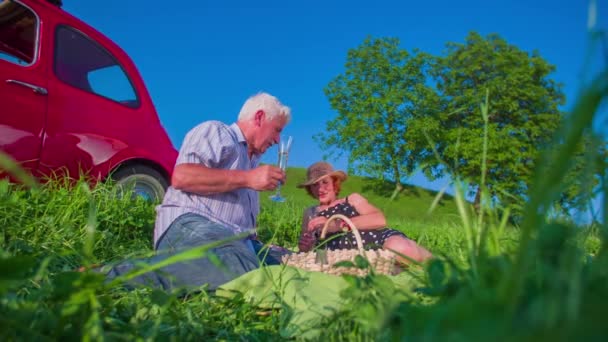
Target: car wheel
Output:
[{"x": 144, "y": 181}]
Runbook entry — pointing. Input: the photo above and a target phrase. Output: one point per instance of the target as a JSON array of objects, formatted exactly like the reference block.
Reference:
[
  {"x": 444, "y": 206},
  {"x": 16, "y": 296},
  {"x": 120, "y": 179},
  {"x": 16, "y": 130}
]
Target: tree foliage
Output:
[
  {"x": 382, "y": 87},
  {"x": 523, "y": 113},
  {"x": 586, "y": 169},
  {"x": 400, "y": 110}
]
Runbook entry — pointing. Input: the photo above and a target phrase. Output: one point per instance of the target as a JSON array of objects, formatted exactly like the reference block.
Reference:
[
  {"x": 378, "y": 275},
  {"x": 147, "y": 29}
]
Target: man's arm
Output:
[{"x": 202, "y": 180}]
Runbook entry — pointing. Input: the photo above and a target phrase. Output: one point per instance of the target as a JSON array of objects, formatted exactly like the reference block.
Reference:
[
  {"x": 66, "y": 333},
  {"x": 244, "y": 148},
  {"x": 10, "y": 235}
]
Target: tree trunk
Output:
[
  {"x": 477, "y": 201},
  {"x": 398, "y": 189},
  {"x": 398, "y": 185}
]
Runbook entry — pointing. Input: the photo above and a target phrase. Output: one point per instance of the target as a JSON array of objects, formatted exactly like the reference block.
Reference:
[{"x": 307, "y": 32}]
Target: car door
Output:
[
  {"x": 23, "y": 93},
  {"x": 92, "y": 99}
]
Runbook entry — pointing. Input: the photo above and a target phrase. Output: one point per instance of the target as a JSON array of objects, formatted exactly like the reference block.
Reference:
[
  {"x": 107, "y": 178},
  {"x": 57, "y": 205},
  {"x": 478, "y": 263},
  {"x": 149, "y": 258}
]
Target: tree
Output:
[
  {"x": 382, "y": 87},
  {"x": 523, "y": 114},
  {"x": 587, "y": 168}
]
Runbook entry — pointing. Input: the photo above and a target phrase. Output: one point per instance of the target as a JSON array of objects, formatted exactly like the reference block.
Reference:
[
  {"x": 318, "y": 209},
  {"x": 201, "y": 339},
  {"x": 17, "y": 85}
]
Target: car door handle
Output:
[{"x": 35, "y": 88}]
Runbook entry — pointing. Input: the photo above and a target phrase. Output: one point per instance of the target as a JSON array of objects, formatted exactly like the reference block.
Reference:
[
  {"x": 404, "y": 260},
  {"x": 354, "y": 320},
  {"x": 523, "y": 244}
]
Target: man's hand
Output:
[{"x": 265, "y": 177}]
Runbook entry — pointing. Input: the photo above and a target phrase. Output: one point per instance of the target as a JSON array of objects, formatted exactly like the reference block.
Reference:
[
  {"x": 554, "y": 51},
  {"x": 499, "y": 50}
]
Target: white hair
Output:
[{"x": 266, "y": 102}]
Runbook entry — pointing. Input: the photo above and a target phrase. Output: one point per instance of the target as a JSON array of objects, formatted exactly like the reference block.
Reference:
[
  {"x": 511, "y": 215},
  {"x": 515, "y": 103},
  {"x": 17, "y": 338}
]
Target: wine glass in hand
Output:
[{"x": 283, "y": 148}]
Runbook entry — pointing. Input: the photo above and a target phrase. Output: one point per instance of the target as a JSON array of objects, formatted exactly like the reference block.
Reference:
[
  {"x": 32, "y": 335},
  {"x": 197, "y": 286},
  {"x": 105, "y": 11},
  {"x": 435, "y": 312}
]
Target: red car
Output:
[{"x": 73, "y": 102}]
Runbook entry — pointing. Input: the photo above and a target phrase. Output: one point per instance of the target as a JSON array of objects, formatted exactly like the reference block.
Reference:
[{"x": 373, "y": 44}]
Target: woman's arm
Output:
[{"x": 369, "y": 217}]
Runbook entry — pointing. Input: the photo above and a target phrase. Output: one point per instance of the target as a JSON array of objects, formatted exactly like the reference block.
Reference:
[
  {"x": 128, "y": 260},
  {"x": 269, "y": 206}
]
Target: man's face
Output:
[{"x": 268, "y": 132}]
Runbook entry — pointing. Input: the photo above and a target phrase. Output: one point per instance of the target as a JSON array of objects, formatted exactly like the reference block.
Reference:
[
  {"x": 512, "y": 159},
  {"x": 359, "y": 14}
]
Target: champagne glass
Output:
[{"x": 283, "y": 148}]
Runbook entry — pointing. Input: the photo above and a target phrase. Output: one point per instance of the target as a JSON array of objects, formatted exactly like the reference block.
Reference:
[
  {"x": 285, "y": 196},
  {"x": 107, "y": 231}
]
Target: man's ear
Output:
[{"x": 259, "y": 117}]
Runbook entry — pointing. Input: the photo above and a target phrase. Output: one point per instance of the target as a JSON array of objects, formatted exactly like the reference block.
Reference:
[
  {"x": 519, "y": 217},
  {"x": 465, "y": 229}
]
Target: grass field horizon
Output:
[{"x": 412, "y": 203}]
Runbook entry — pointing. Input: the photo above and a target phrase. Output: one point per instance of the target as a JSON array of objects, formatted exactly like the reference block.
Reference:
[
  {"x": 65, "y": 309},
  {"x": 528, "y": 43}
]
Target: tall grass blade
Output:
[
  {"x": 483, "y": 203},
  {"x": 467, "y": 226},
  {"x": 10, "y": 166},
  {"x": 91, "y": 224},
  {"x": 548, "y": 176},
  {"x": 437, "y": 199}
]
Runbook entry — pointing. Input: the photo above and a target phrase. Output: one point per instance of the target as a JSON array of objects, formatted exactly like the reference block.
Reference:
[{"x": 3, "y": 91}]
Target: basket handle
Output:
[{"x": 350, "y": 224}]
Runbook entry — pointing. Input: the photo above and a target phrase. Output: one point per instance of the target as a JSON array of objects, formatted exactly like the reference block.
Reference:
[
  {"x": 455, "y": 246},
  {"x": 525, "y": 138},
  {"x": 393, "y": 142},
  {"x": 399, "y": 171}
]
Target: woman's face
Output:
[{"x": 324, "y": 190}]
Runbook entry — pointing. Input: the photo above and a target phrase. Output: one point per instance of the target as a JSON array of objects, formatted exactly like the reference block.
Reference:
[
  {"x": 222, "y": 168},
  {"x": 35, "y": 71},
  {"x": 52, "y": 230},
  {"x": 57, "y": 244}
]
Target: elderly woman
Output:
[{"x": 323, "y": 184}]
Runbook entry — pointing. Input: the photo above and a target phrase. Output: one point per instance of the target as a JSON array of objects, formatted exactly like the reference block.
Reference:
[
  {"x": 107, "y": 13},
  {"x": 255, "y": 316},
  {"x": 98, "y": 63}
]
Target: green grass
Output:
[
  {"x": 50, "y": 231},
  {"x": 53, "y": 229}
]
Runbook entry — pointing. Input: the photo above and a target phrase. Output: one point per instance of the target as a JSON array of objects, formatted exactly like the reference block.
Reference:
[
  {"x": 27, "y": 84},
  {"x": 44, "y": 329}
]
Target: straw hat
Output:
[{"x": 320, "y": 170}]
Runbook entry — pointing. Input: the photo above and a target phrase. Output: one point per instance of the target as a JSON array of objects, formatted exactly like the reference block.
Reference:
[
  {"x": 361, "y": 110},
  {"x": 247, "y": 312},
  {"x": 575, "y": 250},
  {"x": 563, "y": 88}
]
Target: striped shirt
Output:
[{"x": 219, "y": 146}]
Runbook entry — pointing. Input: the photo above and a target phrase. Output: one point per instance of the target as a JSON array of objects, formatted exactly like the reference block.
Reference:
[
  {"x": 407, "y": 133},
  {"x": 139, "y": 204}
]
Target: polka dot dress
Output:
[{"x": 372, "y": 239}]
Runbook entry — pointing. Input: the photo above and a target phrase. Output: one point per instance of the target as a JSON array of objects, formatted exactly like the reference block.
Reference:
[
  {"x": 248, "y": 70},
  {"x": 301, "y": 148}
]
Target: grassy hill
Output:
[
  {"x": 280, "y": 222},
  {"x": 411, "y": 205}
]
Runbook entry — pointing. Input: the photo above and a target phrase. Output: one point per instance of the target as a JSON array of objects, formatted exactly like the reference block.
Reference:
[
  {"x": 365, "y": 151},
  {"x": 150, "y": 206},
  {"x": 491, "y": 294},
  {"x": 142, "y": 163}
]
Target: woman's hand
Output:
[
  {"x": 307, "y": 242},
  {"x": 318, "y": 223}
]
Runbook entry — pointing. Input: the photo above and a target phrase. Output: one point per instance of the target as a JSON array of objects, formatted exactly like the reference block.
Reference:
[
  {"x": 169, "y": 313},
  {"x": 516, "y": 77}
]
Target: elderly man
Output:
[{"x": 214, "y": 197}]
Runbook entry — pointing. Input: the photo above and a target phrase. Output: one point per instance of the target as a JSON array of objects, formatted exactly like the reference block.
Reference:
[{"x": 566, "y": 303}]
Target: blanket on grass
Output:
[{"x": 304, "y": 298}]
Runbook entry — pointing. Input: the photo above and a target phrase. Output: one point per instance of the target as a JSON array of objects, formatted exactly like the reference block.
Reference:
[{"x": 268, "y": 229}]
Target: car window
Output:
[
  {"x": 18, "y": 33},
  {"x": 84, "y": 64}
]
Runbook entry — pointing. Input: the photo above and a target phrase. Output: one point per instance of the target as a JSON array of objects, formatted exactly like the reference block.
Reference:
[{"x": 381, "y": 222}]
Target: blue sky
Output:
[{"x": 202, "y": 59}]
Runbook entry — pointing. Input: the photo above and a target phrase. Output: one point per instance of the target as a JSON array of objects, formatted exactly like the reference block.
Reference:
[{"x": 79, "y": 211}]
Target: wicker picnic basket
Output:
[{"x": 382, "y": 261}]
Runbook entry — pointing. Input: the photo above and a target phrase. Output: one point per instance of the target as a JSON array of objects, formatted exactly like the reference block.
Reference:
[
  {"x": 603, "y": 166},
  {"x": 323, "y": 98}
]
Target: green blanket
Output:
[{"x": 304, "y": 298}]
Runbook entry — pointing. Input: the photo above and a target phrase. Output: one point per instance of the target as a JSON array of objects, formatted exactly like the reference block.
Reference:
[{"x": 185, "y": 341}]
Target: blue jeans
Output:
[
  {"x": 188, "y": 231},
  {"x": 268, "y": 255}
]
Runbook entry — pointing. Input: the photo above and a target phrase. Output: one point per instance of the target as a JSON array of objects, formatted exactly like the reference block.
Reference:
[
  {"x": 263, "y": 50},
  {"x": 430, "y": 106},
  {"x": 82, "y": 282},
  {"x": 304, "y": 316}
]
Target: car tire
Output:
[{"x": 144, "y": 180}]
